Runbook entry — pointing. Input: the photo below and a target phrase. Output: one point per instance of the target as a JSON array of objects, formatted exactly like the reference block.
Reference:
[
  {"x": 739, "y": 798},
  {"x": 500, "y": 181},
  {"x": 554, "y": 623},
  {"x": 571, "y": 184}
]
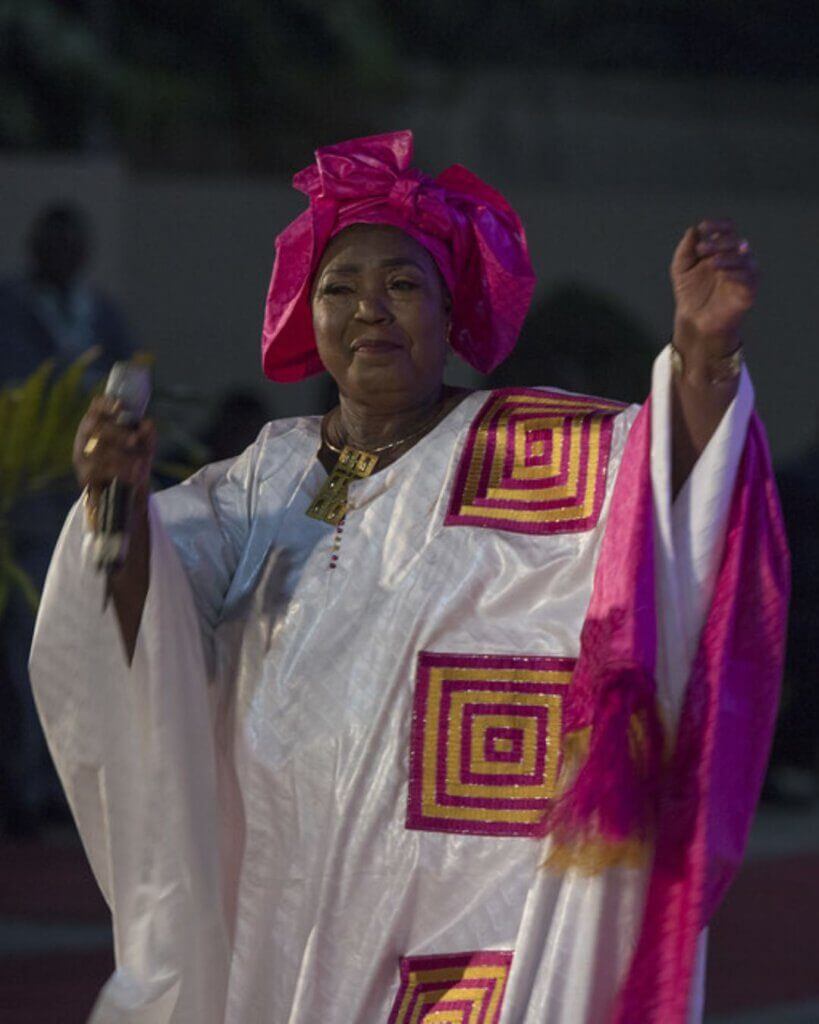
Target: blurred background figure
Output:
[
  {"x": 52, "y": 311},
  {"x": 49, "y": 312},
  {"x": 235, "y": 424},
  {"x": 580, "y": 339}
]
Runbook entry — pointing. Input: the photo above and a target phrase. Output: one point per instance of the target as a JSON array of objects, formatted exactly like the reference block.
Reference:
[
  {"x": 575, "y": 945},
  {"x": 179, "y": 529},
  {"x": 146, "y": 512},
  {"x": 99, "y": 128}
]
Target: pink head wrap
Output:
[{"x": 472, "y": 233}]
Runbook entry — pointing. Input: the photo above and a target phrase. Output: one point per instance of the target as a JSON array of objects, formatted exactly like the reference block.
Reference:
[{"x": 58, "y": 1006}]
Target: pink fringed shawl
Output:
[{"x": 695, "y": 804}]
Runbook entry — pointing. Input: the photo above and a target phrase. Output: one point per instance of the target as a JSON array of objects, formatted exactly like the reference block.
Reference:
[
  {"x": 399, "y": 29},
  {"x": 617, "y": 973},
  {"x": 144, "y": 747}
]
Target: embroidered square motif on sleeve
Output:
[
  {"x": 535, "y": 462},
  {"x": 461, "y": 988},
  {"x": 485, "y": 742}
]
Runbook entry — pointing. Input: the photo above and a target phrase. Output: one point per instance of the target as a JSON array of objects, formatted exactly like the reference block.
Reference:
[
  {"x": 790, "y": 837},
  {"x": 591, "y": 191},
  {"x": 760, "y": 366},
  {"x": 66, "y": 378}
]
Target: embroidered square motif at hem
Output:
[
  {"x": 460, "y": 988},
  {"x": 534, "y": 462},
  {"x": 485, "y": 742}
]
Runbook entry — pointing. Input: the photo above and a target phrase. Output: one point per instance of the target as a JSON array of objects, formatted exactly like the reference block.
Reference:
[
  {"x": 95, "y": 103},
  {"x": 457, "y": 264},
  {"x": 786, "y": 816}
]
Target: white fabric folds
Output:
[
  {"x": 135, "y": 752},
  {"x": 248, "y": 791}
]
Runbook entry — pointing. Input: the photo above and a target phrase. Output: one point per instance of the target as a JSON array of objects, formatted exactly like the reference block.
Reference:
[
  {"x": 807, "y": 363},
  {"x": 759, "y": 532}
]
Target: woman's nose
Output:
[{"x": 372, "y": 309}]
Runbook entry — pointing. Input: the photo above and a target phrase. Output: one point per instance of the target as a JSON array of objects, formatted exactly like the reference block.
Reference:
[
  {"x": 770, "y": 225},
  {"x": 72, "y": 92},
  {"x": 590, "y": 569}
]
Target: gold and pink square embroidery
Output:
[
  {"x": 485, "y": 742},
  {"x": 461, "y": 988},
  {"x": 535, "y": 461}
]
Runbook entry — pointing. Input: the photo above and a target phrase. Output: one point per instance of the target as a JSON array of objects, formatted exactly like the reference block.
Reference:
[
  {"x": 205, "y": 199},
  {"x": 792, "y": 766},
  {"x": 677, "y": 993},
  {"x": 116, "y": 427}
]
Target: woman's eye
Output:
[
  {"x": 335, "y": 288},
  {"x": 403, "y": 284}
]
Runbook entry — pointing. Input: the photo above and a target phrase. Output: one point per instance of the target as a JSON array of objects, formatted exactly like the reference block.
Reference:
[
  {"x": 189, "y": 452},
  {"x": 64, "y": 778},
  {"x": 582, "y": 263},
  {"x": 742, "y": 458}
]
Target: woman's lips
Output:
[{"x": 375, "y": 346}]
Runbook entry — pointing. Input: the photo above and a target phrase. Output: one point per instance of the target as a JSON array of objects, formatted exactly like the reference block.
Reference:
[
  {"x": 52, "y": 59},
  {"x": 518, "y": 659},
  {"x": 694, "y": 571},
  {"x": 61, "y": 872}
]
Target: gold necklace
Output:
[
  {"x": 384, "y": 447},
  {"x": 330, "y": 504}
]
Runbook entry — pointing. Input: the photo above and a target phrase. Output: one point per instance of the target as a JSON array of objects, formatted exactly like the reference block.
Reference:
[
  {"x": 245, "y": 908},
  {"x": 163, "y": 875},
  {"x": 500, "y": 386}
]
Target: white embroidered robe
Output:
[{"x": 257, "y": 793}]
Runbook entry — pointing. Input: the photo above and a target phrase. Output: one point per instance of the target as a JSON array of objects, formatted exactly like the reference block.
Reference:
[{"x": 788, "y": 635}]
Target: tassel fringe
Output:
[{"x": 605, "y": 812}]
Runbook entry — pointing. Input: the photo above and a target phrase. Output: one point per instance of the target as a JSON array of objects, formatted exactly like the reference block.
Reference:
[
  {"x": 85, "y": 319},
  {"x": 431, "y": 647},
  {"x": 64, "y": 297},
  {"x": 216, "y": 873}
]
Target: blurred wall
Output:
[
  {"x": 190, "y": 260},
  {"x": 597, "y": 130},
  {"x": 622, "y": 240},
  {"x": 200, "y": 254}
]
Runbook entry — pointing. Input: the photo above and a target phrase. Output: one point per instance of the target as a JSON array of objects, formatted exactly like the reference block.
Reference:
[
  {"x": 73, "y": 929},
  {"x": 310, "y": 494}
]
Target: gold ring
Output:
[{"x": 91, "y": 445}]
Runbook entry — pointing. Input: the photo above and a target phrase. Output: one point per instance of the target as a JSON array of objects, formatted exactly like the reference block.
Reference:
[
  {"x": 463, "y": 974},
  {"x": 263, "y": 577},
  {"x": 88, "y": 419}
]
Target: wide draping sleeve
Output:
[
  {"x": 664, "y": 668},
  {"x": 689, "y": 532},
  {"x": 721, "y": 582},
  {"x": 689, "y": 537},
  {"x": 134, "y": 748}
]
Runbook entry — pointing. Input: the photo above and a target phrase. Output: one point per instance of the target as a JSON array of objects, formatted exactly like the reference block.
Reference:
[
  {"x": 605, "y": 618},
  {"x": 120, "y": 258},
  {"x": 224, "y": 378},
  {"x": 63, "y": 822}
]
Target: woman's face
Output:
[{"x": 381, "y": 316}]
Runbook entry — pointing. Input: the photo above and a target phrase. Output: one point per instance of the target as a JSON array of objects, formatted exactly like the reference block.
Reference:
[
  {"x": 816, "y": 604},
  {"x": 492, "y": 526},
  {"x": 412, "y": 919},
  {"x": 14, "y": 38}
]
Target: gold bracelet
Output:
[{"x": 721, "y": 369}]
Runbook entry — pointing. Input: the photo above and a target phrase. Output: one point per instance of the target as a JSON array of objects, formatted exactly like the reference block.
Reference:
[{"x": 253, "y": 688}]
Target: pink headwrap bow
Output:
[{"x": 472, "y": 233}]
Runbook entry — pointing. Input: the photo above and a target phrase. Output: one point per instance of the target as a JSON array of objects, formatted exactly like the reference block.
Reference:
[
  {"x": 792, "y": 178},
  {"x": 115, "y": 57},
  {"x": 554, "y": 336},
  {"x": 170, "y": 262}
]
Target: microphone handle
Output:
[
  {"x": 130, "y": 383},
  {"x": 110, "y": 546}
]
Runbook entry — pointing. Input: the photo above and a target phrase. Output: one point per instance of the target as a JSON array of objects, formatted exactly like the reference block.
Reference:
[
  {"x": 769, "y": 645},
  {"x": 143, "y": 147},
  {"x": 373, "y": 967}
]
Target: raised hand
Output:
[
  {"x": 714, "y": 276},
  {"x": 104, "y": 450}
]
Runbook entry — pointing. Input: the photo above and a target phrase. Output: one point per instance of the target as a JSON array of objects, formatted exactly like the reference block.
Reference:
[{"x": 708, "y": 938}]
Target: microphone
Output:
[{"x": 130, "y": 383}]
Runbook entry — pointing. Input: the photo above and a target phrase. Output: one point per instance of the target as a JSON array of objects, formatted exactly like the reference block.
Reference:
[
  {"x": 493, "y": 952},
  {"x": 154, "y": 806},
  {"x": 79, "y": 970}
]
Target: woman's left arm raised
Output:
[{"x": 714, "y": 276}]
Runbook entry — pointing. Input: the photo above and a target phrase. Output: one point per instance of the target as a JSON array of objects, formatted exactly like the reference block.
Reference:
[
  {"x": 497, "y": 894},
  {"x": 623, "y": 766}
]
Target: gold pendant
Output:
[{"x": 330, "y": 503}]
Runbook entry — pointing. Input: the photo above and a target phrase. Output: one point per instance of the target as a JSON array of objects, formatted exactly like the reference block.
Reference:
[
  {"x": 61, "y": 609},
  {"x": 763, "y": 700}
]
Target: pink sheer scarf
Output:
[{"x": 695, "y": 804}]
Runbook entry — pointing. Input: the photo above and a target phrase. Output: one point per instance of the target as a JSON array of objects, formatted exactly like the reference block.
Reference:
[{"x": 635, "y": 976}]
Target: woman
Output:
[{"x": 314, "y": 752}]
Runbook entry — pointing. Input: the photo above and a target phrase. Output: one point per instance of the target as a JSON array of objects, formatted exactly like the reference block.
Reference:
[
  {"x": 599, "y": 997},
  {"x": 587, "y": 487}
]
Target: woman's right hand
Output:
[{"x": 105, "y": 450}]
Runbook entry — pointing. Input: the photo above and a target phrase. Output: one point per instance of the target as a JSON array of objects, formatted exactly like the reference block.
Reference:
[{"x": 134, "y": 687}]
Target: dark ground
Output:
[{"x": 763, "y": 965}]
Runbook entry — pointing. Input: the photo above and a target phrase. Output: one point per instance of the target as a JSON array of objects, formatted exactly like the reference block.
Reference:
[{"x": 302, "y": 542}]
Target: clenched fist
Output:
[{"x": 714, "y": 275}]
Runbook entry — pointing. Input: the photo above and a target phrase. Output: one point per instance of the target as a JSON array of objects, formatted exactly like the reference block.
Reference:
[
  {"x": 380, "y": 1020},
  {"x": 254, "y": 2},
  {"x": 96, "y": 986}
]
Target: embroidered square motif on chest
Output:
[
  {"x": 535, "y": 462},
  {"x": 485, "y": 742},
  {"x": 462, "y": 988}
]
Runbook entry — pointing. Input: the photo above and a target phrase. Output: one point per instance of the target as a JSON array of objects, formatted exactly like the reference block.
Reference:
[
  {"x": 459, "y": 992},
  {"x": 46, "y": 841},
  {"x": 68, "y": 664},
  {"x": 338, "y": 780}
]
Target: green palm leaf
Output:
[
  {"x": 65, "y": 404},
  {"x": 38, "y": 421},
  {"x": 26, "y": 401}
]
